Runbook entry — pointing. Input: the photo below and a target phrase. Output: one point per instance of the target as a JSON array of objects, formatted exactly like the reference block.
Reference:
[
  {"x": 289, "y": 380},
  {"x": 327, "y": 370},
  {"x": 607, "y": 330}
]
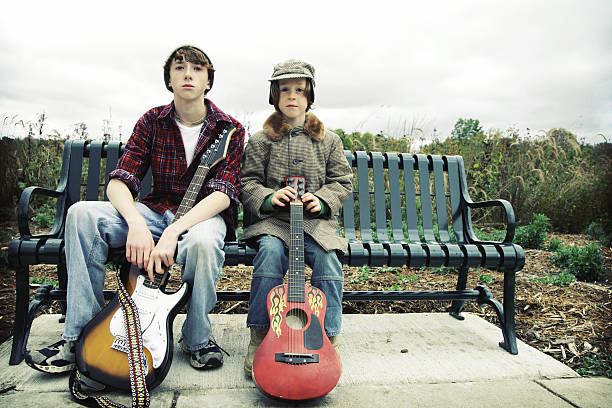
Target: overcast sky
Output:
[{"x": 380, "y": 65}]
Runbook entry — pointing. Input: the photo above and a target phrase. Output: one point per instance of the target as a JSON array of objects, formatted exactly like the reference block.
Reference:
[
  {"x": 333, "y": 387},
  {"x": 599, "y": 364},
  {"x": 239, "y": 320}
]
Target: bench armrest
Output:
[
  {"x": 510, "y": 221},
  {"x": 23, "y": 208}
]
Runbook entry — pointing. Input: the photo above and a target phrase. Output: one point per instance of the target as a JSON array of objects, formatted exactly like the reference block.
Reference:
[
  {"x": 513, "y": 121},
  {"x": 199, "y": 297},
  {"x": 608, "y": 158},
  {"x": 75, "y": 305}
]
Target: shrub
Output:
[
  {"x": 554, "y": 244},
  {"x": 532, "y": 236},
  {"x": 596, "y": 231},
  {"x": 586, "y": 263}
]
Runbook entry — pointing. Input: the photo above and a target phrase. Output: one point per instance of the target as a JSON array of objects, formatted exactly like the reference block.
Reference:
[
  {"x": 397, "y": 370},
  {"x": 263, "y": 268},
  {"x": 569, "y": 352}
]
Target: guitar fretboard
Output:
[
  {"x": 192, "y": 192},
  {"x": 297, "y": 284}
]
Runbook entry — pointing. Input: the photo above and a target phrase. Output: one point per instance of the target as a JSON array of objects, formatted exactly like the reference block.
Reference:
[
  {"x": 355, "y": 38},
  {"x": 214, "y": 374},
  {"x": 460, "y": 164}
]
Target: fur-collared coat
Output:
[{"x": 312, "y": 152}]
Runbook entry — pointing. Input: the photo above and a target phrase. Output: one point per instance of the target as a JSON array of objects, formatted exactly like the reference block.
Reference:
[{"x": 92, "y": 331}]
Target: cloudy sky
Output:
[{"x": 380, "y": 65}]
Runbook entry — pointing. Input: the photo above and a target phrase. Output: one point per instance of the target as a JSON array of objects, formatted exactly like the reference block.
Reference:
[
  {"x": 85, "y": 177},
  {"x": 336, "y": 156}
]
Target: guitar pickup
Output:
[{"x": 296, "y": 358}]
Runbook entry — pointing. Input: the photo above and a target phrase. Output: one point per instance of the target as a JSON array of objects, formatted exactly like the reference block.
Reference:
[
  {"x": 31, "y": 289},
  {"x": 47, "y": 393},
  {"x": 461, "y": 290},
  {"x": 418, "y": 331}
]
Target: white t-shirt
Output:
[{"x": 190, "y": 137}]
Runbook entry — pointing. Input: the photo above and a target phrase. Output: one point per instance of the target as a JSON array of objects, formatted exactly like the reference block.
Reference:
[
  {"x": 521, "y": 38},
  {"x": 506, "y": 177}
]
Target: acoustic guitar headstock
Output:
[{"x": 298, "y": 183}]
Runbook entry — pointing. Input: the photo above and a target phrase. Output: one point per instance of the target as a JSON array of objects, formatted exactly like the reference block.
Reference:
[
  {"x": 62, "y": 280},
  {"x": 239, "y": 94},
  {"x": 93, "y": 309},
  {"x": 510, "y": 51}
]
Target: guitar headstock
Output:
[
  {"x": 218, "y": 150},
  {"x": 299, "y": 184}
]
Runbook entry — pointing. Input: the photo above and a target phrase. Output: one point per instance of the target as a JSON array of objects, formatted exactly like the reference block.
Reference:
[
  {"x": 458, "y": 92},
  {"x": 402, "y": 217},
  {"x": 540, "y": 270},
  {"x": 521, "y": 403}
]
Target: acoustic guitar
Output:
[
  {"x": 102, "y": 350},
  {"x": 296, "y": 360}
]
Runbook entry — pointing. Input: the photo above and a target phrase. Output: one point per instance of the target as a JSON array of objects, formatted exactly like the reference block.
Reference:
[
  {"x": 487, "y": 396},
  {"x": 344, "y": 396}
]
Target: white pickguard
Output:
[{"x": 153, "y": 309}]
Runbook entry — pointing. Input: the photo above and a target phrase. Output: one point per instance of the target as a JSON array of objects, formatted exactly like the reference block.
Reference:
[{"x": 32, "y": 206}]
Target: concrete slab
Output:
[
  {"x": 397, "y": 354},
  {"x": 594, "y": 392}
]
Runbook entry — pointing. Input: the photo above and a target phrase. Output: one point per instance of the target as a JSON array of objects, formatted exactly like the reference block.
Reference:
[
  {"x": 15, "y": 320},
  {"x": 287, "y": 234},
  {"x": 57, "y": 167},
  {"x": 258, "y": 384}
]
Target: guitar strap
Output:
[{"x": 136, "y": 358}]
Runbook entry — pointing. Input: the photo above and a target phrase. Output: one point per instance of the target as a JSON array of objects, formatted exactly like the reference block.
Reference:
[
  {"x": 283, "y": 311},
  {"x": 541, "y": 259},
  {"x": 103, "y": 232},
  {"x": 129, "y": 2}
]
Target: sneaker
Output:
[
  {"x": 56, "y": 358},
  {"x": 210, "y": 356}
]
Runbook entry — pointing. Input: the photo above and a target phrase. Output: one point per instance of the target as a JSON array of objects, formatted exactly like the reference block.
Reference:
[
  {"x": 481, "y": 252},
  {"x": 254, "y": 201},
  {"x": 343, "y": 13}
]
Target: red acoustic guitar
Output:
[{"x": 296, "y": 360}]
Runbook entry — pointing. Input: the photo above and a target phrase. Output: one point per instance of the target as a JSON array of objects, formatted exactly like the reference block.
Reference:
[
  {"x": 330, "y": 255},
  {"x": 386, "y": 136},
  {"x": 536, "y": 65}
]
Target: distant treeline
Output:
[{"x": 551, "y": 174}]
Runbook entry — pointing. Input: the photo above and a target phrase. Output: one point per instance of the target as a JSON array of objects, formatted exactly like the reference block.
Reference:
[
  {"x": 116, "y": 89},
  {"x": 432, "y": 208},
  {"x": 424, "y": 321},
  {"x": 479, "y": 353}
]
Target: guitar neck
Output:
[
  {"x": 297, "y": 285},
  {"x": 192, "y": 192}
]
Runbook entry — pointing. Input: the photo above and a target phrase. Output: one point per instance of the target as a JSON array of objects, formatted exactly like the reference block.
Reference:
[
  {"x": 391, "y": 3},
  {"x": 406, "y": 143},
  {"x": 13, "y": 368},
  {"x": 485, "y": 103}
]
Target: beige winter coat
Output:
[{"x": 312, "y": 152}]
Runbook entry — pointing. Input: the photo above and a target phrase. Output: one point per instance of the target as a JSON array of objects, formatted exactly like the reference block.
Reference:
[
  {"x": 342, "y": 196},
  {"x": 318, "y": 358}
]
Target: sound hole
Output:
[{"x": 297, "y": 319}]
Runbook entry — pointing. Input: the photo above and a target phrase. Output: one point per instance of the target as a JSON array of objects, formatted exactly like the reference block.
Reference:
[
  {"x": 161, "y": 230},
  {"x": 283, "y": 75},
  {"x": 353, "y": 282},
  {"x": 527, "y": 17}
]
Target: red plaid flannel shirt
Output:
[{"x": 156, "y": 142}]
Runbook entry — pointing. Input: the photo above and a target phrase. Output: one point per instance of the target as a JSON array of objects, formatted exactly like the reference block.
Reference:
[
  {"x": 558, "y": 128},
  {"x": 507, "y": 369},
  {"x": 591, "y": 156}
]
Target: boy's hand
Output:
[
  {"x": 311, "y": 203},
  {"x": 139, "y": 245},
  {"x": 284, "y": 195},
  {"x": 162, "y": 255}
]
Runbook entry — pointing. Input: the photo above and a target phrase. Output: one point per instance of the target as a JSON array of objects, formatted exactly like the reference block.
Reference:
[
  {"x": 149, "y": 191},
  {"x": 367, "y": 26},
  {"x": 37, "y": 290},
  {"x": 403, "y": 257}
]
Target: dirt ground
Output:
[{"x": 570, "y": 323}]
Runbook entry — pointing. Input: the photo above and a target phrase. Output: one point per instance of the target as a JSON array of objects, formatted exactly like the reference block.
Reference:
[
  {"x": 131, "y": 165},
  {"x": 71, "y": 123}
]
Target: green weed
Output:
[
  {"x": 561, "y": 279},
  {"x": 597, "y": 366},
  {"x": 365, "y": 273},
  {"x": 43, "y": 280},
  {"x": 488, "y": 279}
]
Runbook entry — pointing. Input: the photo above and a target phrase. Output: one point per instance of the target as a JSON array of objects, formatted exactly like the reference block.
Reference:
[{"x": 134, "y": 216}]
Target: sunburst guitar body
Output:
[
  {"x": 102, "y": 352},
  {"x": 296, "y": 360}
]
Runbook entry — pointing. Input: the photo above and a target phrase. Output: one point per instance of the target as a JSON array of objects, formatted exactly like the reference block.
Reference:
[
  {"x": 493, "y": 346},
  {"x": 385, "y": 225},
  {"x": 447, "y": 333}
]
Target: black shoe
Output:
[
  {"x": 210, "y": 356},
  {"x": 56, "y": 358}
]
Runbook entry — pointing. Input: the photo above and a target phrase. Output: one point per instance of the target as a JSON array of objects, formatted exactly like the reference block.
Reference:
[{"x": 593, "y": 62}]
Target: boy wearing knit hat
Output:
[{"x": 294, "y": 142}]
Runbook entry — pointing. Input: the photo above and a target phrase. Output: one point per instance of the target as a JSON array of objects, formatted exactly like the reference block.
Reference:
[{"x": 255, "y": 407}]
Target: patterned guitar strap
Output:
[{"x": 136, "y": 358}]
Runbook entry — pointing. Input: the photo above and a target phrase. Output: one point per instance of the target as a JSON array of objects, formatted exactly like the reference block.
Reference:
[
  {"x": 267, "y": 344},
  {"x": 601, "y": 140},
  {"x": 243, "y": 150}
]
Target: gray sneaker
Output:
[
  {"x": 56, "y": 358},
  {"x": 210, "y": 356}
]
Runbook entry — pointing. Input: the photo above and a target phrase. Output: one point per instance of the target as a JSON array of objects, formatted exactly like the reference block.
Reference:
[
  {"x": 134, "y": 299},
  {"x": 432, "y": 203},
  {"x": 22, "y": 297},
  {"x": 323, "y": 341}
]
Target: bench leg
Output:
[
  {"x": 457, "y": 305},
  {"x": 20, "y": 327},
  {"x": 62, "y": 278},
  {"x": 25, "y": 312},
  {"x": 509, "y": 327}
]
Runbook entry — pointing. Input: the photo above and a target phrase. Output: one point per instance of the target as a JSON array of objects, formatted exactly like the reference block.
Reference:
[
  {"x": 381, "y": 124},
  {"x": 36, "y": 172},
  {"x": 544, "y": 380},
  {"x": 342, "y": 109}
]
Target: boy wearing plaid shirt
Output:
[{"x": 170, "y": 140}]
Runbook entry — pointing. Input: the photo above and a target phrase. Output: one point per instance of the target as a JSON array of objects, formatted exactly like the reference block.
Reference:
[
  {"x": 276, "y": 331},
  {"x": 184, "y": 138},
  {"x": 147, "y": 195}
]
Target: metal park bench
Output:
[{"x": 405, "y": 209}]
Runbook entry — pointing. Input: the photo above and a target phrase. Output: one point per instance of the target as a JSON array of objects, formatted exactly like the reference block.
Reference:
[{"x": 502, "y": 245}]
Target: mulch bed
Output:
[{"x": 567, "y": 322}]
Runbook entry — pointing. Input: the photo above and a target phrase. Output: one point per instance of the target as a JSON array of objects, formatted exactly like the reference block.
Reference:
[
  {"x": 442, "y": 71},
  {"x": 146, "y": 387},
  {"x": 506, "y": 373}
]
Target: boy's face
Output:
[
  {"x": 292, "y": 100},
  {"x": 189, "y": 81}
]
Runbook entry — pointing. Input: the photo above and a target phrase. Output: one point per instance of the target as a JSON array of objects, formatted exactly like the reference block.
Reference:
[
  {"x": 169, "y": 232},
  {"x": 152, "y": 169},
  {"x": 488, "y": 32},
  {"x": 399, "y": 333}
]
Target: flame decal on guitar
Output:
[{"x": 279, "y": 301}]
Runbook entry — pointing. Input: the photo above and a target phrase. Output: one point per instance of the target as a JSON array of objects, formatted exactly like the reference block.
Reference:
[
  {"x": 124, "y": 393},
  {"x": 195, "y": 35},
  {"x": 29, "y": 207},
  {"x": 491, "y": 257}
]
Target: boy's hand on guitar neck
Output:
[
  {"x": 311, "y": 203},
  {"x": 287, "y": 194},
  {"x": 283, "y": 196},
  {"x": 141, "y": 251},
  {"x": 162, "y": 255}
]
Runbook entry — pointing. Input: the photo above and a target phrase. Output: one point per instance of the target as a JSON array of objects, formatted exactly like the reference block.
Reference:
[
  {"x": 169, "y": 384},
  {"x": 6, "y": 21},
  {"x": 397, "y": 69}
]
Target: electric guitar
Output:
[
  {"x": 102, "y": 350},
  {"x": 296, "y": 360}
]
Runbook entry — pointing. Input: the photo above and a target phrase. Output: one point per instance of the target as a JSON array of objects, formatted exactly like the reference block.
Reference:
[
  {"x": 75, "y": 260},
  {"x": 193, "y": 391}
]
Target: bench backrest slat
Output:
[
  {"x": 455, "y": 198},
  {"x": 441, "y": 205},
  {"x": 425, "y": 196},
  {"x": 380, "y": 205},
  {"x": 93, "y": 171},
  {"x": 348, "y": 209},
  {"x": 412, "y": 218},
  {"x": 395, "y": 198},
  {"x": 363, "y": 194},
  {"x": 75, "y": 171}
]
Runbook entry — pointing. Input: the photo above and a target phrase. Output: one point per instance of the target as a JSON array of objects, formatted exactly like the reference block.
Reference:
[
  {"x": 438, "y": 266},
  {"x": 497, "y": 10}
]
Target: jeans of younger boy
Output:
[
  {"x": 269, "y": 268},
  {"x": 92, "y": 227}
]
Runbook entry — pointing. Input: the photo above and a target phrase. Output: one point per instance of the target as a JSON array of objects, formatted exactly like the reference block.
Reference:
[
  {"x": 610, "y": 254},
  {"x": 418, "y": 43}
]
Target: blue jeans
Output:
[
  {"x": 92, "y": 227},
  {"x": 271, "y": 264}
]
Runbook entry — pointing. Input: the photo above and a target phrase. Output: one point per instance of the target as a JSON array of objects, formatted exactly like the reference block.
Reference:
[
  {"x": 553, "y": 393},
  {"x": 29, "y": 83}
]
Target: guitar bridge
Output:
[{"x": 296, "y": 358}]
